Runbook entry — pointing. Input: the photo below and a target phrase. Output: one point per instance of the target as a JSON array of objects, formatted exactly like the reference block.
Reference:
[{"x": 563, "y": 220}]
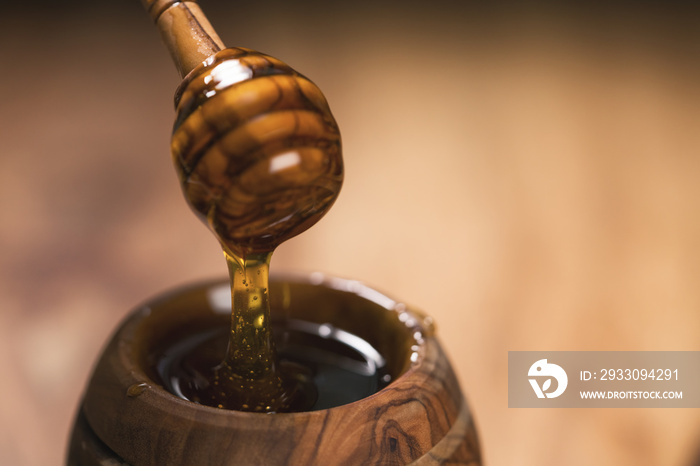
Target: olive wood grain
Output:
[
  {"x": 255, "y": 145},
  {"x": 420, "y": 417},
  {"x": 187, "y": 33},
  {"x": 256, "y": 148}
]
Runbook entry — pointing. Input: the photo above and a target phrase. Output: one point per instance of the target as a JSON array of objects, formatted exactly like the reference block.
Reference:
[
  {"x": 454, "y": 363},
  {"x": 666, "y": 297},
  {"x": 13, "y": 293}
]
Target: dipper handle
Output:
[{"x": 187, "y": 33}]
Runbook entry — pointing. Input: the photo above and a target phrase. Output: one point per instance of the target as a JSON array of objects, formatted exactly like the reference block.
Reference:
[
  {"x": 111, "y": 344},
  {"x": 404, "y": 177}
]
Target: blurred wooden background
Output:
[{"x": 527, "y": 175}]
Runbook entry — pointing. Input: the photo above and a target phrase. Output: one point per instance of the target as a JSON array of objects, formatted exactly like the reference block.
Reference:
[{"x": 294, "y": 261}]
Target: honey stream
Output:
[
  {"x": 249, "y": 378},
  {"x": 258, "y": 154}
]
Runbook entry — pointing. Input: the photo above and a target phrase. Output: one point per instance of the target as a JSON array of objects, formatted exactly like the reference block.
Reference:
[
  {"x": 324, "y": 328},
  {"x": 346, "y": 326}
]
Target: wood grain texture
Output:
[
  {"x": 255, "y": 144},
  {"x": 421, "y": 416},
  {"x": 256, "y": 148},
  {"x": 186, "y": 32}
]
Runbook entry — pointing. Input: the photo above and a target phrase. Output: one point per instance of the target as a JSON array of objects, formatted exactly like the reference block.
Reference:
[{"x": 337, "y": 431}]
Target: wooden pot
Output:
[{"x": 127, "y": 417}]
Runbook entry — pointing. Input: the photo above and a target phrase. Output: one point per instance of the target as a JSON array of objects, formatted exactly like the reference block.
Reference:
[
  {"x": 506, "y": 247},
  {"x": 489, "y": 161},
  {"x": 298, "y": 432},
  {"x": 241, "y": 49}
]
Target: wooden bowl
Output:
[{"x": 127, "y": 417}]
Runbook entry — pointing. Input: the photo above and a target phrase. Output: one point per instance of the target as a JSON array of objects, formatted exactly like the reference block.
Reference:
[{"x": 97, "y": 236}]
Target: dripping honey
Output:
[
  {"x": 248, "y": 378},
  {"x": 259, "y": 159}
]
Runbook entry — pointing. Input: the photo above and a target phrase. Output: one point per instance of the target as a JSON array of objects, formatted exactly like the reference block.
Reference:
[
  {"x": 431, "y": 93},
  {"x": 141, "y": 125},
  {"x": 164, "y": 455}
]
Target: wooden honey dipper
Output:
[
  {"x": 255, "y": 144},
  {"x": 258, "y": 155}
]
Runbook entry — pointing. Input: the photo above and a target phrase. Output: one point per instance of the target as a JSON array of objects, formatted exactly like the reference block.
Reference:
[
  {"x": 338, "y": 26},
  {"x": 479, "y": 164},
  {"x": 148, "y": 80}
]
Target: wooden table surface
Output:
[{"x": 530, "y": 177}]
